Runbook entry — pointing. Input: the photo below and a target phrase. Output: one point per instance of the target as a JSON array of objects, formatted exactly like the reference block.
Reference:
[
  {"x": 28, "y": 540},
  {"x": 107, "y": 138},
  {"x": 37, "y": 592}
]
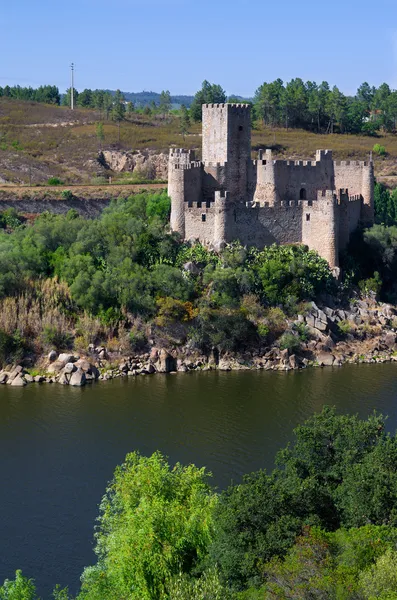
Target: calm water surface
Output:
[{"x": 59, "y": 446}]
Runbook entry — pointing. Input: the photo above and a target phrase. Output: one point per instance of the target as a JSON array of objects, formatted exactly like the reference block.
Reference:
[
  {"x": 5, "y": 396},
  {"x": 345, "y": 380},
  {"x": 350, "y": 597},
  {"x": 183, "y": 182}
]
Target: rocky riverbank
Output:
[{"x": 363, "y": 332}]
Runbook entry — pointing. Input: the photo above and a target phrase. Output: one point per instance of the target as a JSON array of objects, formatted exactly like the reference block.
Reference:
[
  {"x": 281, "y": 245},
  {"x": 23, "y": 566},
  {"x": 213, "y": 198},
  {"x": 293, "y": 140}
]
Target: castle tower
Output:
[
  {"x": 184, "y": 185},
  {"x": 320, "y": 226},
  {"x": 368, "y": 211},
  {"x": 227, "y": 139}
]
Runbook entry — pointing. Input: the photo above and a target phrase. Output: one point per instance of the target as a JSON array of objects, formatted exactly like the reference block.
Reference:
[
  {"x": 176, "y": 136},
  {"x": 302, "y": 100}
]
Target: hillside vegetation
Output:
[{"x": 39, "y": 141}]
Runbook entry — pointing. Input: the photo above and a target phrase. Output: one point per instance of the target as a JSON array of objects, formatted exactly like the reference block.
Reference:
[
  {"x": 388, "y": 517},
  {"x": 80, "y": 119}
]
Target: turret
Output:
[
  {"x": 320, "y": 226},
  {"x": 222, "y": 207},
  {"x": 368, "y": 215},
  {"x": 184, "y": 185}
]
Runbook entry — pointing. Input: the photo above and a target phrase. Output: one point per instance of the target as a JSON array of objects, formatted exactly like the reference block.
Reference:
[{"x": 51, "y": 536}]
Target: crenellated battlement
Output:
[
  {"x": 351, "y": 163},
  {"x": 228, "y": 106},
  {"x": 192, "y": 165}
]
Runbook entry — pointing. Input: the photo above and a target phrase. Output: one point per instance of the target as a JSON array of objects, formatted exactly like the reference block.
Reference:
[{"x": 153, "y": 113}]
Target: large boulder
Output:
[
  {"x": 55, "y": 367},
  {"x": 390, "y": 339},
  {"x": 18, "y": 381},
  {"x": 52, "y": 356},
  {"x": 78, "y": 378},
  {"x": 88, "y": 368},
  {"x": 325, "y": 359},
  {"x": 66, "y": 358},
  {"x": 166, "y": 362}
]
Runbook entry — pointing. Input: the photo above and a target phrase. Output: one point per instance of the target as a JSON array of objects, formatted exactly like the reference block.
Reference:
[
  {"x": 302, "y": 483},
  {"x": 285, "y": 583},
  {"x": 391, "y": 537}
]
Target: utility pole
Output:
[{"x": 72, "y": 87}]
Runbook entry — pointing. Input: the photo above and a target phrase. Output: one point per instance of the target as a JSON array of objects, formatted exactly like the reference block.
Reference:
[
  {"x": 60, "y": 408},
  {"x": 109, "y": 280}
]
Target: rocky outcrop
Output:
[{"x": 146, "y": 163}]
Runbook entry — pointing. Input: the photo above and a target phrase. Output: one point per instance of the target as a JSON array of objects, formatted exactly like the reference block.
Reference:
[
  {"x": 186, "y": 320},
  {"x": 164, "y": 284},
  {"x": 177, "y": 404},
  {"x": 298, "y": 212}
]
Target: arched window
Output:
[{"x": 302, "y": 194}]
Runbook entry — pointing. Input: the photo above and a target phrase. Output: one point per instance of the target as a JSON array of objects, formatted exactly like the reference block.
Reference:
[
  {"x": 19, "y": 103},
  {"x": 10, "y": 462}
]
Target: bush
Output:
[
  {"x": 55, "y": 181},
  {"x": 54, "y": 337},
  {"x": 345, "y": 327},
  {"x": 291, "y": 342},
  {"x": 67, "y": 195},
  {"x": 137, "y": 339},
  {"x": 372, "y": 285},
  {"x": 379, "y": 150},
  {"x": 223, "y": 329}
]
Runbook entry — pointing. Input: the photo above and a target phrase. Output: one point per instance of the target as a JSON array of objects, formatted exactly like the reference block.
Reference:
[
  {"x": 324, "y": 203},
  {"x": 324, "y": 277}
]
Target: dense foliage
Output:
[
  {"x": 322, "y": 524},
  {"x": 126, "y": 265},
  {"x": 324, "y": 109}
]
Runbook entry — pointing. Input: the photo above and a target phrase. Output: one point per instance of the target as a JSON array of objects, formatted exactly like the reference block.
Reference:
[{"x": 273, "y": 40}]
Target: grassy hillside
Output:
[{"x": 38, "y": 141}]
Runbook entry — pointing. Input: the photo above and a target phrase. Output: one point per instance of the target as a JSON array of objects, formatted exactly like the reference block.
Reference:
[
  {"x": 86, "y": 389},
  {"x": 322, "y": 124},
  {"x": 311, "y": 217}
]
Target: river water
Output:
[{"x": 59, "y": 445}]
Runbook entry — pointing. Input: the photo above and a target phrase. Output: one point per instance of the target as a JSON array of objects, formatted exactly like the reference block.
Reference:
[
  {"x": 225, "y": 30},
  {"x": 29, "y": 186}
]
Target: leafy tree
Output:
[
  {"x": 85, "y": 98},
  {"x": 100, "y": 134},
  {"x": 67, "y": 98},
  {"x": 21, "y": 588},
  {"x": 164, "y": 514},
  {"x": 118, "y": 110},
  {"x": 165, "y": 102},
  {"x": 185, "y": 121},
  {"x": 209, "y": 94}
]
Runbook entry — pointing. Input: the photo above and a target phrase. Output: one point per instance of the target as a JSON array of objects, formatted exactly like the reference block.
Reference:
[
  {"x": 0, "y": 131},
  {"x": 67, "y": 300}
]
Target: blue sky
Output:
[{"x": 176, "y": 44}]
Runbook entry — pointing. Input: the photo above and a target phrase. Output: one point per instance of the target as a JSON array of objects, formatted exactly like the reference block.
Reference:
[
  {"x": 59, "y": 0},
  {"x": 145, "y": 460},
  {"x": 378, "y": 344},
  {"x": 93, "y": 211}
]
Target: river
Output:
[{"x": 59, "y": 445}]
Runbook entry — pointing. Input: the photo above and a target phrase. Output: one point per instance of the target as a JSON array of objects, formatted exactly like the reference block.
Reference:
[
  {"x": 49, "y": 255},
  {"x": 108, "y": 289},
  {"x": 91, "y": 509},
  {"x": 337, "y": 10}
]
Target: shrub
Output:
[
  {"x": 55, "y": 337},
  {"x": 55, "y": 181},
  {"x": 371, "y": 285},
  {"x": 291, "y": 342},
  {"x": 67, "y": 195},
  {"x": 171, "y": 310},
  {"x": 263, "y": 330},
  {"x": 345, "y": 327},
  {"x": 11, "y": 347},
  {"x": 137, "y": 339},
  {"x": 379, "y": 150}
]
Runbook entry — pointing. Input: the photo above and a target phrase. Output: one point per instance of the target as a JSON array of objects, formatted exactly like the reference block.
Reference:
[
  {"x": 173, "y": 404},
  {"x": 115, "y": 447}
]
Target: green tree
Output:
[
  {"x": 100, "y": 134},
  {"x": 165, "y": 102},
  {"x": 184, "y": 121},
  {"x": 118, "y": 110},
  {"x": 20, "y": 588},
  {"x": 155, "y": 523},
  {"x": 66, "y": 99},
  {"x": 85, "y": 98},
  {"x": 209, "y": 94}
]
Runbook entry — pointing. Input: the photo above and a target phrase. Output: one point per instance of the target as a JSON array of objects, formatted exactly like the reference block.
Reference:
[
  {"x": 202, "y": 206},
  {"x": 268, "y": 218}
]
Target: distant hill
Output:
[{"x": 141, "y": 99}]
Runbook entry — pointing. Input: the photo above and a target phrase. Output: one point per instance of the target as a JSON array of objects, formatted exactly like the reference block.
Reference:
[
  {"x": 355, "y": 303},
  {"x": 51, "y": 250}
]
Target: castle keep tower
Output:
[
  {"x": 227, "y": 196},
  {"x": 227, "y": 143}
]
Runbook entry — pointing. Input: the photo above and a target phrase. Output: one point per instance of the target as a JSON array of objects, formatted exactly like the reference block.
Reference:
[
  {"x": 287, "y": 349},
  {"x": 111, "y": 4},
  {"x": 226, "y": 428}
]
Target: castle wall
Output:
[
  {"x": 283, "y": 180},
  {"x": 198, "y": 229},
  {"x": 354, "y": 213}
]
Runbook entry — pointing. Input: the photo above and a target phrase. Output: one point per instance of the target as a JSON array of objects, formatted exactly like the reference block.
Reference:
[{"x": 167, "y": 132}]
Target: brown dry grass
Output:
[{"x": 40, "y": 141}]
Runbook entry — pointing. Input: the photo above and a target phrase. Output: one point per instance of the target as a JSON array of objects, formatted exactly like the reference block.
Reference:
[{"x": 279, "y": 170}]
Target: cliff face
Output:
[{"x": 146, "y": 163}]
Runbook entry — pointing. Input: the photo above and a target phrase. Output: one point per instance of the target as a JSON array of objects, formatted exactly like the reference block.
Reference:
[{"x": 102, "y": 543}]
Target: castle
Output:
[{"x": 227, "y": 196}]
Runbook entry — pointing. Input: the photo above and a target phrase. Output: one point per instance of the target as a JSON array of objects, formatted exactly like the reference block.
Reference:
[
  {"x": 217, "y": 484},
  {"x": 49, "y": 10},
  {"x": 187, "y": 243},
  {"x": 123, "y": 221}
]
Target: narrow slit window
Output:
[
  {"x": 203, "y": 217},
  {"x": 308, "y": 217}
]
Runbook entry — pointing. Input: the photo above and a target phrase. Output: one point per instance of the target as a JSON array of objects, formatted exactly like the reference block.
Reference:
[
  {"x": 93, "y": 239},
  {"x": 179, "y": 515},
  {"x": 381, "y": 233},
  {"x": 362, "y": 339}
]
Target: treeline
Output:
[
  {"x": 322, "y": 524},
  {"x": 314, "y": 107},
  {"x": 49, "y": 94}
]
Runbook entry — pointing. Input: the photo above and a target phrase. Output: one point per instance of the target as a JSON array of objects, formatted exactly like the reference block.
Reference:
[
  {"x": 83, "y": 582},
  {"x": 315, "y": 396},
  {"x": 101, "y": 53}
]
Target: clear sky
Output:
[{"x": 140, "y": 45}]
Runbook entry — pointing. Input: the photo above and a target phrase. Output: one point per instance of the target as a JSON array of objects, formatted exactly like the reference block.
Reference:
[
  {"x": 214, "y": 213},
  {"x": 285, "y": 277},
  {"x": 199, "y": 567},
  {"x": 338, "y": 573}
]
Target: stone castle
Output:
[{"x": 227, "y": 196}]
